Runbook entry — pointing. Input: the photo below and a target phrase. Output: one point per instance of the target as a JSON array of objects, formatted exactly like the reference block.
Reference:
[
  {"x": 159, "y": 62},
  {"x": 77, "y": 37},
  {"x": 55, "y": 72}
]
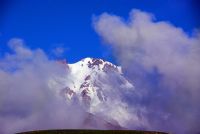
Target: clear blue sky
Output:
[{"x": 48, "y": 24}]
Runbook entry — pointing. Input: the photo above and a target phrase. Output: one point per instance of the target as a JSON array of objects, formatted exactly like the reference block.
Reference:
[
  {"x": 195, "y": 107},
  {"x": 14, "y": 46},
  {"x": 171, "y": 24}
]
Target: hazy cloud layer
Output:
[
  {"x": 163, "y": 62},
  {"x": 27, "y": 101}
]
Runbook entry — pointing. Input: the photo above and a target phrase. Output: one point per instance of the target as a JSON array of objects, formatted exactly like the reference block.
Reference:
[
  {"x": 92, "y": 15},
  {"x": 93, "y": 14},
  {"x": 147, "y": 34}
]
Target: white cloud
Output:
[
  {"x": 164, "y": 63},
  {"x": 17, "y": 45},
  {"x": 26, "y": 100}
]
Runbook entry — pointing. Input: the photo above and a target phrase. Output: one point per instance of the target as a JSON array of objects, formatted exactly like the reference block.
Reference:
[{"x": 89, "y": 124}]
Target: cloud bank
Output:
[
  {"x": 27, "y": 99},
  {"x": 163, "y": 62}
]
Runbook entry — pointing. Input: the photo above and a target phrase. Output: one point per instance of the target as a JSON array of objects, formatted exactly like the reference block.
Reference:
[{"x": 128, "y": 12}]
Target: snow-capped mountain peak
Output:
[
  {"x": 87, "y": 78},
  {"x": 95, "y": 65},
  {"x": 97, "y": 85}
]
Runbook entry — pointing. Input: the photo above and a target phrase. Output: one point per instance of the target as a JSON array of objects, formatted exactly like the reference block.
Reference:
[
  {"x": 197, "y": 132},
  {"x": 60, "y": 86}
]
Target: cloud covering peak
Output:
[{"x": 164, "y": 63}]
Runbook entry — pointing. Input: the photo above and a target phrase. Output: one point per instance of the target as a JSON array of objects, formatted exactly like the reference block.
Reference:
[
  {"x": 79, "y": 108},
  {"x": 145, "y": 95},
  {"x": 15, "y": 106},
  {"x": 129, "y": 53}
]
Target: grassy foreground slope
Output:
[{"x": 91, "y": 132}]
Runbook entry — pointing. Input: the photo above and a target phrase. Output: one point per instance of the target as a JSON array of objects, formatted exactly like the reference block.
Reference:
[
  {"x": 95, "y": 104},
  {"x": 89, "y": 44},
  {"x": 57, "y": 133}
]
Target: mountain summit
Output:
[{"x": 97, "y": 86}]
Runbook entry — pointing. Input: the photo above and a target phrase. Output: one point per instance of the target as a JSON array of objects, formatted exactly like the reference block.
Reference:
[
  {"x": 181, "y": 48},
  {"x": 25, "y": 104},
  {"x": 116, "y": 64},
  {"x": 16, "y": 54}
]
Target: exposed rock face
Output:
[{"x": 67, "y": 92}]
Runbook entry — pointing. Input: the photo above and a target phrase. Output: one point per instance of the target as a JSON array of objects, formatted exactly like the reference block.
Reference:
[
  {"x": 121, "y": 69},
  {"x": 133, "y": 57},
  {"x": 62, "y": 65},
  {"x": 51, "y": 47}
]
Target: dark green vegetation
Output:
[{"x": 91, "y": 132}]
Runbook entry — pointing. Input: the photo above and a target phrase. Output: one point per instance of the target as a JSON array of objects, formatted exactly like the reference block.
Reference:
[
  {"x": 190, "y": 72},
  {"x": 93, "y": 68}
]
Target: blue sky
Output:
[{"x": 48, "y": 24}]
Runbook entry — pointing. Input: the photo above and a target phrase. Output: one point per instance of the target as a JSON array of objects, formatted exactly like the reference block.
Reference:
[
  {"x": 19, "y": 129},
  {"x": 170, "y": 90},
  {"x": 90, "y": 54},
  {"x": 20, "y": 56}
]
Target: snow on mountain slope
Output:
[
  {"x": 97, "y": 85},
  {"x": 87, "y": 80}
]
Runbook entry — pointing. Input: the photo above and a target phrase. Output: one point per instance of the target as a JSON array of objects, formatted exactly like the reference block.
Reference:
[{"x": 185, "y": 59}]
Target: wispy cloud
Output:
[
  {"x": 60, "y": 50},
  {"x": 163, "y": 62}
]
